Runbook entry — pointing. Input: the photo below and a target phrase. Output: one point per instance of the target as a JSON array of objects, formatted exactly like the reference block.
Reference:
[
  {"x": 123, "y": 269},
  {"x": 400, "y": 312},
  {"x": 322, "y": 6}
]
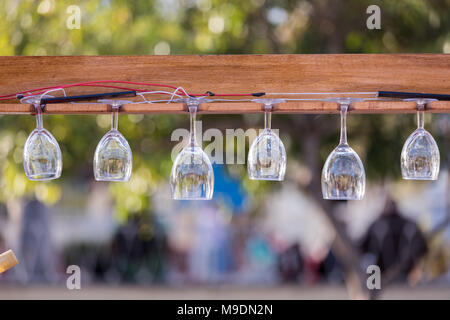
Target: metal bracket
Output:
[
  {"x": 421, "y": 102},
  {"x": 114, "y": 104},
  {"x": 269, "y": 104}
]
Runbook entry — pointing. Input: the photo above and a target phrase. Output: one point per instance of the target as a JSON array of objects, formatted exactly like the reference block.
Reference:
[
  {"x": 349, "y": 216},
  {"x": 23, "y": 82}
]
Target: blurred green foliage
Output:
[{"x": 31, "y": 27}]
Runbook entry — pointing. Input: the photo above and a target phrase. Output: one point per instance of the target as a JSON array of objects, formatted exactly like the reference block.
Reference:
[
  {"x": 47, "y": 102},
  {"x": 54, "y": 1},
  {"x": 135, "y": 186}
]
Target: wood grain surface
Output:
[
  {"x": 224, "y": 74},
  {"x": 237, "y": 73},
  {"x": 305, "y": 107}
]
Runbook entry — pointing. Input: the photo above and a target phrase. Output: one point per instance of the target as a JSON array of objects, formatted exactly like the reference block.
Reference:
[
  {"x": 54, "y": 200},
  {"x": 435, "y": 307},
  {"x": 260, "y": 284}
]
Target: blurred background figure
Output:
[
  {"x": 394, "y": 243},
  {"x": 290, "y": 264},
  {"x": 36, "y": 247}
]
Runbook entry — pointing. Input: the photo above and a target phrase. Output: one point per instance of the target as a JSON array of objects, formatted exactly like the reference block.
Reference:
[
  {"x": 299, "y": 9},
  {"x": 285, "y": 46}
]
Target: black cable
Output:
[
  {"x": 258, "y": 94},
  {"x": 87, "y": 97},
  {"x": 412, "y": 95}
]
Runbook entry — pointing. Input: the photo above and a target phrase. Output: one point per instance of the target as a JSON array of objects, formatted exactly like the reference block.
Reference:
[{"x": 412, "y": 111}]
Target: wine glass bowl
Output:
[
  {"x": 192, "y": 176},
  {"x": 343, "y": 175},
  {"x": 267, "y": 157},
  {"x": 42, "y": 158},
  {"x": 113, "y": 158},
  {"x": 420, "y": 157}
]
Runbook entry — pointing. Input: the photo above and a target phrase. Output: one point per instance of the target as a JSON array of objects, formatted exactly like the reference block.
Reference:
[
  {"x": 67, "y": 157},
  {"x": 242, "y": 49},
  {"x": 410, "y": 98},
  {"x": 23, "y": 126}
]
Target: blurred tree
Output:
[{"x": 212, "y": 27}]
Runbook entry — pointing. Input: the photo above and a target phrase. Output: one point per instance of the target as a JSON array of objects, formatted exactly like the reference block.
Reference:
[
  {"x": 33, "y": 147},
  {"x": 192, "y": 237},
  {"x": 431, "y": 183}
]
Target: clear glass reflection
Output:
[
  {"x": 113, "y": 157},
  {"x": 192, "y": 176},
  {"x": 42, "y": 158},
  {"x": 420, "y": 157},
  {"x": 343, "y": 175},
  {"x": 267, "y": 155}
]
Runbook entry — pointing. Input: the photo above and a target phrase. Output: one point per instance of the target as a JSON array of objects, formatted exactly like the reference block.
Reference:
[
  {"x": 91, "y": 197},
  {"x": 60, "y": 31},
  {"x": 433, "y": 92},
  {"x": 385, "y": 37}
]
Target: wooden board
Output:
[
  {"x": 224, "y": 74},
  {"x": 306, "y": 107},
  {"x": 238, "y": 73}
]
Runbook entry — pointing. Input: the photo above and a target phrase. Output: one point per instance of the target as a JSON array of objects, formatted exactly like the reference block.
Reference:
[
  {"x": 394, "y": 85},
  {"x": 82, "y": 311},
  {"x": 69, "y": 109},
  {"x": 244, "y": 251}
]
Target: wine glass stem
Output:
[
  {"x": 267, "y": 120},
  {"x": 343, "y": 109},
  {"x": 192, "y": 113},
  {"x": 268, "y": 126},
  {"x": 115, "y": 118},
  {"x": 420, "y": 116},
  {"x": 39, "y": 124}
]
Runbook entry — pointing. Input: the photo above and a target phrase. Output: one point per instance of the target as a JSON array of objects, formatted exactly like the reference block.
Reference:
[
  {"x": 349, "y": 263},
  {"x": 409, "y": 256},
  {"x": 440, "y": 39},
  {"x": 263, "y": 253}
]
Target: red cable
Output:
[{"x": 89, "y": 83}]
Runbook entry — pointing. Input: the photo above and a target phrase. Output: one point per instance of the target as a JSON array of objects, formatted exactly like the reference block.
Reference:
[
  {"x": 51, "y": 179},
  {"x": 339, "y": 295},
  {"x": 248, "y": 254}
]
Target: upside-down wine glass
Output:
[
  {"x": 113, "y": 158},
  {"x": 267, "y": 155},
  {"x": 192, "y": 176},
  {"x": 420, "y": 157},
  {"x": 343, "y": 175},
  {"x": 42, "y": 159}
]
